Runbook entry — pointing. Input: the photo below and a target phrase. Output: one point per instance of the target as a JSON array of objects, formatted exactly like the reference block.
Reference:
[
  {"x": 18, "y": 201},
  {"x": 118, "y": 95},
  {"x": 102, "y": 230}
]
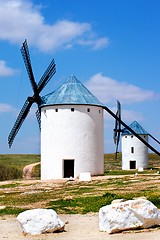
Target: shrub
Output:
[{"x": 8, "y": 173}]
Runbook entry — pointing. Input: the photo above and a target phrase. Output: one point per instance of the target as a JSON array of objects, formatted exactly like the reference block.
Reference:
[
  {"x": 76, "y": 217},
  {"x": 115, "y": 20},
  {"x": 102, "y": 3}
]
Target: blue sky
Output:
[{"x": 111, "y": 46}]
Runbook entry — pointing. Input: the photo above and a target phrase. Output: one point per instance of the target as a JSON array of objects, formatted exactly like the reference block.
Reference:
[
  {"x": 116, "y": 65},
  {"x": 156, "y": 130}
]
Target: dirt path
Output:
[
  {"x": 27, "y": 170},
  {"x": 79, "y": 227}
]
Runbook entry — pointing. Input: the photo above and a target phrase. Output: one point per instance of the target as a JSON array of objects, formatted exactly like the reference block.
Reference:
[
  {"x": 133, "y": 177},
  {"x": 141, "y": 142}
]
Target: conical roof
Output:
[
  {"x": 71, "y": 92},
  {"x": 136, "y": 127}
]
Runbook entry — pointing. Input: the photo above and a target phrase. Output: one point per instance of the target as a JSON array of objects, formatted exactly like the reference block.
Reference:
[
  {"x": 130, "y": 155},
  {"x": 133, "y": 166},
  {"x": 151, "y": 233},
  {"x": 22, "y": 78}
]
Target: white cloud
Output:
[
  {"x": 126, "y": 115},
  {"x": 4, "y": 70},
  {"x": 130, "y": 116},
  {"x": 6, "y": 108},
  {"x": 109, "y": 90},
  {"x": 21, "y": 20},
  {"x": 95, "y": 43}
]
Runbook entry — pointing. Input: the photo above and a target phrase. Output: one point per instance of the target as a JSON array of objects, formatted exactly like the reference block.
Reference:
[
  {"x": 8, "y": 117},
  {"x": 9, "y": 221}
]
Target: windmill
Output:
[
  {"x": 71, "y": 116},
  {"x": 117, "y": 129},
  {"x": 37, "y": 88}
]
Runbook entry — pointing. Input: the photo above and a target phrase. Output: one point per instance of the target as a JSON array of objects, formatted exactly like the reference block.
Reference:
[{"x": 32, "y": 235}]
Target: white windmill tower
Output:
[
  {"x": 134, "y": 152},
  {"x": 71, "y": 132},
  {"x": 134, "y": 142}
]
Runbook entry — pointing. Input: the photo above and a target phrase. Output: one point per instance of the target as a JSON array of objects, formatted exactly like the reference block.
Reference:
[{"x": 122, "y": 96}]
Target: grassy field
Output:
[
  {"x": 18, "y": 160},
  {"x": 74, "y": 196},
  {"x": 11, "y": 165}
]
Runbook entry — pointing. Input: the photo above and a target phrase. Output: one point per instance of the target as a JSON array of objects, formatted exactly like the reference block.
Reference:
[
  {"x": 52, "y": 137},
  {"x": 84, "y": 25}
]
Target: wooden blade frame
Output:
[
  {"x": 117, "y": 129},
  {"x": 50, "y": 71},
  {"x": 22, "y": 115}
]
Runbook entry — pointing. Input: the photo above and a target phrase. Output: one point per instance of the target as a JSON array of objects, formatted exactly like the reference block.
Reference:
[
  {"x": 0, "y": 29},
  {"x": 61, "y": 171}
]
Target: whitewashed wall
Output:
[
  {"x": 140, "y": 154},
  {"x": 74, "y": 135}
]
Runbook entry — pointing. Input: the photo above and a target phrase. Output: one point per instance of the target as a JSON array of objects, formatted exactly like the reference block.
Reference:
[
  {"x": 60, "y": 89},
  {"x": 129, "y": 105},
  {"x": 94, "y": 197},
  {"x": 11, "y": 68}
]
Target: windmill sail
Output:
[
  {"x": 50, "y": 71},
  {"x": 27, "y": 62},
  {"x": 117, "y": 129},
  {"x": 22, "y": 115}
]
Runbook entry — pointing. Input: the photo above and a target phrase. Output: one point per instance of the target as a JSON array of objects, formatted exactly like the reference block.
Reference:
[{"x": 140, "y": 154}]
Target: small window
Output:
[
  {"x": 72, "y": 109},
  {"x": 125, "y": 136},
  {"x": 56, "y": 110},
  {"x": 131, "y": 136},
  {"x": 144, "y": 136},
  {"x": 99, "y": 111},
  {"x": 88, "y": 109},
  {"x": 132, "y": 149}
]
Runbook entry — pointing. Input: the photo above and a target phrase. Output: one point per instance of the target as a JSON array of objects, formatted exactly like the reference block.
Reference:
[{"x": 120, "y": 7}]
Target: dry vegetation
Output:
[{"x": 81, "y": 197}]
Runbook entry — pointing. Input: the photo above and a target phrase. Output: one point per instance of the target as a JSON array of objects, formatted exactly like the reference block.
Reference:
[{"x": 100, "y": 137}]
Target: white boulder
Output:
[
  {"x": 38, "y": 221},
  {"x": 131, "y": 214},
  {"x": 85, "y": 176}
]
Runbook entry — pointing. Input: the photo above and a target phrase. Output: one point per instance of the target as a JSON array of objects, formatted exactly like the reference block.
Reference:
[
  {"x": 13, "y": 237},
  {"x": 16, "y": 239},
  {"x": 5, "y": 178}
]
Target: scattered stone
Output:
[
  {"x": 2, "y": 207},
  {"x": 38, "y": 221},
  {"x": 140, "y": 169},
  {"x": 85, "y": 176},
  {"x": 118, "y": 201},
  {"x": 71, "y": 178},
  {"x": 128, "y": 215}
]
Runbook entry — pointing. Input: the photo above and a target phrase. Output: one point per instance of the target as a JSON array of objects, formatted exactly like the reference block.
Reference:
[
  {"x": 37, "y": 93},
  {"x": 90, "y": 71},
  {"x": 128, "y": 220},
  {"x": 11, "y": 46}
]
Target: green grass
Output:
[
  {"x": 83, "y": 204},
  {"x": 18, "y": 160},
  {"x": 75, "y": 196},
  {"x": 10, "y": 211},
  {"x": 9, "y": 173},
  {"x": 10, "y": 185},
  {"x": 111, "y": 164},
  {"x": 11, "y": 165}
]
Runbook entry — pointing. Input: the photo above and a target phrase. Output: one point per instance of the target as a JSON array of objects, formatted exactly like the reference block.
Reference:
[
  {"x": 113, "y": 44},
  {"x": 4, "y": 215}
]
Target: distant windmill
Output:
[
  {"x": 130, "y": 130},
  {"x": 134, "y": 152},
  {"x": 37, "y": 88}
]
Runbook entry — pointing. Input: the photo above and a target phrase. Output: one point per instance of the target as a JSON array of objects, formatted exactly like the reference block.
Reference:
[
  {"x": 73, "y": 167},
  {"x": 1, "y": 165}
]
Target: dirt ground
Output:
[{"x": 79, "y": 227}]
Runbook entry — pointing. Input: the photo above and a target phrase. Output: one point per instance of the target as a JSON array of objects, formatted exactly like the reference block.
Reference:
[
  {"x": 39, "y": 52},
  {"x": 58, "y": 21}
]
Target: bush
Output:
[{"x": 9, "y": 173}]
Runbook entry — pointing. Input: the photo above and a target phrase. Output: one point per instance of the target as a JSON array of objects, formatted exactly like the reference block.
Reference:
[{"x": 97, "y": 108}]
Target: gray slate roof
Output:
[
  {"x": 71, "y": 92},
  {"x": 135, "y": 126}
]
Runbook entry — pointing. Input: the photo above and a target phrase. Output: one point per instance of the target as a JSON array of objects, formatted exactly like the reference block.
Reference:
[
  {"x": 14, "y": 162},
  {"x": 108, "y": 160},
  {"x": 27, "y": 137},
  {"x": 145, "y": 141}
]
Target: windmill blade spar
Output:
[
  {"x": 48, "y": 74},
  {"x": 154, "y": 138},
  {"x": 50, "y": 71},
  {"x": 118, "y": 123},
  {"x": 22, "y": 115},
  {"x": 117, "y": 129},
  {"x": 115, "y": 133},
  {"x": 38, "y": 115},
  {"x": 27, "y": 62}
]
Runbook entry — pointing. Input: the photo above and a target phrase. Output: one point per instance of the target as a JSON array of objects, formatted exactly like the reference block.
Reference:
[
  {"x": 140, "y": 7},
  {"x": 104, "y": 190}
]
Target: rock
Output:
[
  {"x": 2, "y": 207},
  {"x": 38, "y": 221},
  {"x": 85, "y": 176},
  {"x": 118, "y": 201},
  {"x": 140, "y": 169},
  {"x": 131, "y": 214}
]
